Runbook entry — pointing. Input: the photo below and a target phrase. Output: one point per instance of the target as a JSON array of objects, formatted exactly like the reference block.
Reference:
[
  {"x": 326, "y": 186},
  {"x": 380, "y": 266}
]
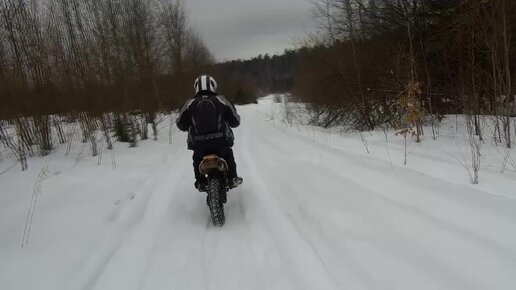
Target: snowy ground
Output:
[{"x": 316, "y": 211}]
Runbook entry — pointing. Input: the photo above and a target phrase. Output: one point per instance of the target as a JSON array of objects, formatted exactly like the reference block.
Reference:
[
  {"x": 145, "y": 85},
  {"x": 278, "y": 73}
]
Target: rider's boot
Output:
[
  {"x": 235, "y": 181},
  {"x": 200, "y": 185}
]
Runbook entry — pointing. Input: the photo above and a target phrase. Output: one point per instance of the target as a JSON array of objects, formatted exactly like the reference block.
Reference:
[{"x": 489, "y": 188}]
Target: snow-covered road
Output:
[{"x": 308, "y": 216}]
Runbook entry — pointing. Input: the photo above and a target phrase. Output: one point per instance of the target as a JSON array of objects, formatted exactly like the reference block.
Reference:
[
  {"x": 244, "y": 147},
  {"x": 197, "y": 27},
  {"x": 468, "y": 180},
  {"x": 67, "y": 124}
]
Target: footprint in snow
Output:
[{"x": 131, "y": 196}]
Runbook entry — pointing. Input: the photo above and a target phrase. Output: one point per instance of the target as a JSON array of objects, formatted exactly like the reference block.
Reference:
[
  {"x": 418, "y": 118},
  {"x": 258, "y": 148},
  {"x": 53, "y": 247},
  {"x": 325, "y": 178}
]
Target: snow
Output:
[{"x": 315, "y": 211}]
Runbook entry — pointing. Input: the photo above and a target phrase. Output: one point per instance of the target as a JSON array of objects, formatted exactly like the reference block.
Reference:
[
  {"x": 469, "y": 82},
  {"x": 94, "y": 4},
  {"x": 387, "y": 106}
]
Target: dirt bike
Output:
[{"x": 215, "y": 170}]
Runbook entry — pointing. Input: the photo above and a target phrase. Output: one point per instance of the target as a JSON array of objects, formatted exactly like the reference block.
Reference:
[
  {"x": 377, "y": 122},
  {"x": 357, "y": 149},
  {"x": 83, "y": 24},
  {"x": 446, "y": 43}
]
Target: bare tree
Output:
[
  {"x": 174, "y": 26},
  {"x": 475, "y": 147}
]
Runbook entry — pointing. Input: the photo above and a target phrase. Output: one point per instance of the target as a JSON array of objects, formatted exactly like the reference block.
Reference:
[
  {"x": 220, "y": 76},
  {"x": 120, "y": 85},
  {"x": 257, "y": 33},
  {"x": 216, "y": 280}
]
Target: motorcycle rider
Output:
[{"x": 208, "y": 118}]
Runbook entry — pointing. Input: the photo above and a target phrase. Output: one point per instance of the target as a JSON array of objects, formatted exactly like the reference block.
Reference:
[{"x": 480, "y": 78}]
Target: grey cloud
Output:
[{"x": 242, "y": 29}]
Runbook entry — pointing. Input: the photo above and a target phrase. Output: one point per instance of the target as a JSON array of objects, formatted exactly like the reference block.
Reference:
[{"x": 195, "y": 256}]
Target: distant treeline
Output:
[{"x": 269, "y": 74}]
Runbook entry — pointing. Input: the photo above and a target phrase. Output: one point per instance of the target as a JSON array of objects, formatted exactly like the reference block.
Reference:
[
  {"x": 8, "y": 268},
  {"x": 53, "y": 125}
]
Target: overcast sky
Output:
[{"x": 235, "y": 29}]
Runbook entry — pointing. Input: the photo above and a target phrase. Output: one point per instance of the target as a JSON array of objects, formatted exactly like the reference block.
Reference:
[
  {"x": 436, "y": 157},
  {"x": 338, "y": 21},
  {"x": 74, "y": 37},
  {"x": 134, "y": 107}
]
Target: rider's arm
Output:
[
  {"x": 184, "y": 121},
  {"x": 230, "y": 113}
]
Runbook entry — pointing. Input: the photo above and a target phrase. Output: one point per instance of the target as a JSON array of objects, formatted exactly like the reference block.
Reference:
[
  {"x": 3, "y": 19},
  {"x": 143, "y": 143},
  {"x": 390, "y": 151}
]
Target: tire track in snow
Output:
[
  {"x": 131, "y": 237},
  {"x": 128, "y": 266},
  {"x": 392, "y": 182},
  {"x": 178, "y": 246},
  {"x": 126, "y": 217},
  {"x": 355, "y": 277},
  {"x": 310, "y": 267},
  {"x": 458, "y": 276},
  {"x": 433, "y": 187},
  {"x": 203, "y": 259},
  {"x": 192, "y": 254},
  {"x": 342, "y": 240}
]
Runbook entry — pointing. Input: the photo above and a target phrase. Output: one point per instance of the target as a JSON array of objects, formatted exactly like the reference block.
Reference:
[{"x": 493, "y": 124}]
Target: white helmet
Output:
[{"x": 205, "y": 83}]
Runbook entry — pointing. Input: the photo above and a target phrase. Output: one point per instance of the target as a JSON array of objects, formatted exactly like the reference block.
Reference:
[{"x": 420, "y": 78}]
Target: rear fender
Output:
[{"x": 211, "y": 163}]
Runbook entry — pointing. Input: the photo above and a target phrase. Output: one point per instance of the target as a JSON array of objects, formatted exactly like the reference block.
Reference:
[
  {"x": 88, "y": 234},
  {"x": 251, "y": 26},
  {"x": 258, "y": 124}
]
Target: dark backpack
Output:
[{"x": 205, "y": 117}]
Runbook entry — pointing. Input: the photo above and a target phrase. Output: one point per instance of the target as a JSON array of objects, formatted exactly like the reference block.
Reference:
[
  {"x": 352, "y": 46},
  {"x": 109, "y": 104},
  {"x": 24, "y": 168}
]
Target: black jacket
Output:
[{"x": 229, "y": 119}]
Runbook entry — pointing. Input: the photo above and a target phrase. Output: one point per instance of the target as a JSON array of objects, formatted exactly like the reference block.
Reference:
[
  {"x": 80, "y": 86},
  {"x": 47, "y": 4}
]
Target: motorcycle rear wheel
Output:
[{"x": 216, "y": 202}]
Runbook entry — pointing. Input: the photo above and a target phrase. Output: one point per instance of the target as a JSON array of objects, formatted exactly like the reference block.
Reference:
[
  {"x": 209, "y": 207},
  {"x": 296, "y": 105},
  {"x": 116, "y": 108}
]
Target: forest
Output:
[
  {"x": 400, "y": 63},
  {"x": 111, "y": 67}
]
